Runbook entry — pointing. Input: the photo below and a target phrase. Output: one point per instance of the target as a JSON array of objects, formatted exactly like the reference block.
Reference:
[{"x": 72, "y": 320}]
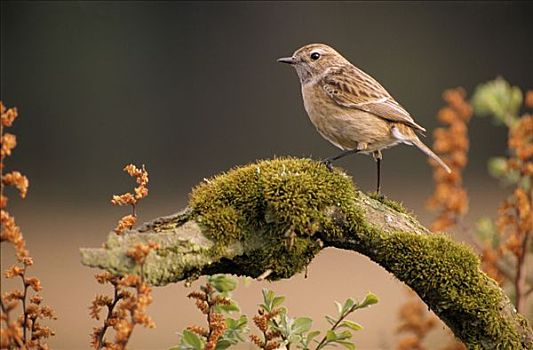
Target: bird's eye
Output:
[{"x": 315, "y": 56}]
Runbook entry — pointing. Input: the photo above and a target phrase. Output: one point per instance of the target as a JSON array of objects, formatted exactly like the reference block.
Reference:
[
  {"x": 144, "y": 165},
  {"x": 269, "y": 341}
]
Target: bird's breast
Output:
[{"x": 344, "y": 127}]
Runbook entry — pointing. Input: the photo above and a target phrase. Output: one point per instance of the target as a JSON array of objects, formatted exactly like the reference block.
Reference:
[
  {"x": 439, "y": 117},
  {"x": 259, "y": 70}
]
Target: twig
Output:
[
  {"x": 283, "y": 337},
  {"x": 502, "y": 264},
  {"x": 520, "y": 280},
  {"x": 264, "y": 275},
  {"x": 210, "y": 304},
  {"x": 336, "y": 324},
  {"x": 25, "y": 312},
  {"x": 7, "y": 320},
  {"x": 33, "y": 321},
  {"x": 116, "y": 298}
]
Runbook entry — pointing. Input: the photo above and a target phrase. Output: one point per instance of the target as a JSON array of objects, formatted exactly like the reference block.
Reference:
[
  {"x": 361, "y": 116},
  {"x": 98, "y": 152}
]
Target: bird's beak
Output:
[{"x": 289, "y": 60}]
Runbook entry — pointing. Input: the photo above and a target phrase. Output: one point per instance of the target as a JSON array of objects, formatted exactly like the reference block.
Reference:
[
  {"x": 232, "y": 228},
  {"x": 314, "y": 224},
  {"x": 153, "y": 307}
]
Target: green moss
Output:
[
  {"x": 276, "y": 207},
  {"x": 398, "y": 206},
  {"x": 446, "y": 275},
  {"x": 283, "y": 200}
]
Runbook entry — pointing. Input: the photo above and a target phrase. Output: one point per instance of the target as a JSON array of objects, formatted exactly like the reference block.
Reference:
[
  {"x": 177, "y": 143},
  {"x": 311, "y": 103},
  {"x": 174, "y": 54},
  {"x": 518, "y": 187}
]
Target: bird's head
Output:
[{"x": 313, "y": 59}]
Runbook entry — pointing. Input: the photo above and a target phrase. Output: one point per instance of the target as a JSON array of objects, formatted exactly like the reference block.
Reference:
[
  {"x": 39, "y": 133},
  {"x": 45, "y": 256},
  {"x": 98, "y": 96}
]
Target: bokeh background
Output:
[{"x": 192, "y": 89}]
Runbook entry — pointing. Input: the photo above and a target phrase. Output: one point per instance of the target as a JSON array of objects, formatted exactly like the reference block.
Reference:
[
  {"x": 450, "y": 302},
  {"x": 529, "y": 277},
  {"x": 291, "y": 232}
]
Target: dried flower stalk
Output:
[
  {"x": 515, "y": 214},
  {"x": 141, "y": 191},
  {"x": 417, "y": 322},
  {"x": 451, "y": 144},
  {"x": 449, "y": 198},
  {"x": 127, "y": 307},
  {"x": 26, "y": 331},
  {"x": 206, "y": 301}
]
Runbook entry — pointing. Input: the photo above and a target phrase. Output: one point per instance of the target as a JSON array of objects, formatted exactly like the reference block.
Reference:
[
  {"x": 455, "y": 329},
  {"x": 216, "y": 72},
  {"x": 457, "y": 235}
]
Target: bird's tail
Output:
[{"x": 430, "y": 153}]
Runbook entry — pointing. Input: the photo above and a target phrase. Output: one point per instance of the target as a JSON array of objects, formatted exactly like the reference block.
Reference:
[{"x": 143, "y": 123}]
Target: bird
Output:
[{"x": 350, "y": 109}]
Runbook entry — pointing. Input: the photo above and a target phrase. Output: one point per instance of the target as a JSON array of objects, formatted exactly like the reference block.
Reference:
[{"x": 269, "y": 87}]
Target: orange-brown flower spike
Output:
[
  {"x": 141, "y": 191},
  {"x": 128, "y": 306},
  {"x": 124, "y": 199},
  {"x": 416, "y": 324},
  {"x": 125, "y": 223},
  {"x": 7, "y": 115},
  {"x": 24, "y": 330},
  {"x": 140, "y": 251},
  {"x": 529, "y": 99},
  {"x": 515, "y": 214},
  {"x": 451, "y": 144},
  {"x": 125, "y": 310},
  {"x": 18, "y": 180},
  {"x": 449, "y": 198},
  {"x": 9, "y": 142}
]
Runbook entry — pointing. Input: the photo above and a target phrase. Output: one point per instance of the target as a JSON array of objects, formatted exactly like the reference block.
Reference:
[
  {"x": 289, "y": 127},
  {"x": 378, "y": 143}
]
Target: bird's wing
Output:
[{"x": 352, "y": 88}]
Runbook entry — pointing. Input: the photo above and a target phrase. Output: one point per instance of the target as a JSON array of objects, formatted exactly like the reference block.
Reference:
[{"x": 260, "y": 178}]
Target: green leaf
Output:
[
  {"x": 525, "y": 183},
  {"x": 348, "y": 345},
  {"x": 331, "y": 335},
  {"x": 231, "y": 307},
  {"x": 497, "y": 167},
  {"x": 223, "y": 344},
  {"x": 498, "y": 99},
  {"x": 370, "y": 299},
  {"x": 268, "y": 299},
  {"x": 268, "y": 295},
  {"x": 348, "y": 304},
  {"x": 331, "y": 320},
  {"x": 283, "y": 325},
  {"x": 241, "y": 322},
  {"x": 344, "y": 335},
  {"x": 190, "y": 340},
  {"x": 295, "y": 339},
  {"x": 339, "y": 307},
  {"x": 486, "y": 232},
  {"x": 277, "y": 301},
  {"x": 312, "y": 335},
  {"x": 235, "y": 329},
  {"x": 351, "y": 325},
  {"x": 301, "y": 325},
  {"x": 222, "y": 283}
]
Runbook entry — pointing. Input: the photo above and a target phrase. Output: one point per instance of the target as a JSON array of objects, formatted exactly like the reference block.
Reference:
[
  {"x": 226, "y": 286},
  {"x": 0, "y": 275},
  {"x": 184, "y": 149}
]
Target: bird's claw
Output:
[
  {"x": 378, "y": 195},
  {"x": 328, "y": 164}
]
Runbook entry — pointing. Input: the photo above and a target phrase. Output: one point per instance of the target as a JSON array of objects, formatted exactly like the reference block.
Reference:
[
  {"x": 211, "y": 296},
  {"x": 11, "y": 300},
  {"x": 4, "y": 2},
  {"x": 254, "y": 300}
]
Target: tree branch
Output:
[{"x": 277, "y": 215}]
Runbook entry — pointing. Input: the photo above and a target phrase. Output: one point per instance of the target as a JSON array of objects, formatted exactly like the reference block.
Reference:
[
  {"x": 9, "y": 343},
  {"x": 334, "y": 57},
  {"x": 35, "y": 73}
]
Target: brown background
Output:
[{"x": 192, "y": 89}]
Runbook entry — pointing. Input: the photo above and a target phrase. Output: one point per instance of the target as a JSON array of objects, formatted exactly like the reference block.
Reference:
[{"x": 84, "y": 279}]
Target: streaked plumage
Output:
[{"x": 351, "y": 109}]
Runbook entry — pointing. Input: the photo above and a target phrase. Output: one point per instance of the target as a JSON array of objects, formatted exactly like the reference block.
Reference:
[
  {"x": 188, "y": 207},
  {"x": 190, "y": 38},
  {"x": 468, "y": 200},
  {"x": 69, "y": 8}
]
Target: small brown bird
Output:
[{"x": 351, "y": 109}]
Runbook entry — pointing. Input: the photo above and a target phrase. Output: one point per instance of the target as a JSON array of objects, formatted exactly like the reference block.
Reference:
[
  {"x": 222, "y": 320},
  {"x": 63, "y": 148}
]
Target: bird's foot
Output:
[
  {"x": 377, "y": 195},
  {"x": 327, "y": 162}
]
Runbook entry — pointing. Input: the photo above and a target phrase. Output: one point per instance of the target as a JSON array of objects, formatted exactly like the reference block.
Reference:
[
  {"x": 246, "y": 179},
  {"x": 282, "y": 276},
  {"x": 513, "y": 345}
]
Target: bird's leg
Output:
[
  {"x": 328, "y": 161},
  {"x": 378, "y": 156},
  {"x": 378, "y": 187},
  {"x": 342, "y": 155},
  {"x": 361, "y": 146}
]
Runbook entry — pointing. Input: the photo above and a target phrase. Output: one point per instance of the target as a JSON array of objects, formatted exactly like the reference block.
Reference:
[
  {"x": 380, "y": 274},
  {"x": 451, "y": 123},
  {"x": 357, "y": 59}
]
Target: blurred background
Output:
[{"x": 193, "y": 89}]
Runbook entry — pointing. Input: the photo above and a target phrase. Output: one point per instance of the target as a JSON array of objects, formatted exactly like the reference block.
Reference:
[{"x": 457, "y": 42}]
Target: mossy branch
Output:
[{"x": 277, "y": 215}]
